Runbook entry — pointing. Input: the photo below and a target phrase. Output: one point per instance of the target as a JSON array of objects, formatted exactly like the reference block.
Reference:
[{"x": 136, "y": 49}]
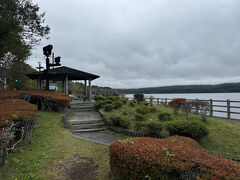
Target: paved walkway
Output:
[{"x": 99, "y": 136}]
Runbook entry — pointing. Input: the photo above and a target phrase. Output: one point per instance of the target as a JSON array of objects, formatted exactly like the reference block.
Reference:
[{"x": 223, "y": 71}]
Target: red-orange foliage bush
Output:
[
  {"x": 15, "y": 109},
  {"x": 9, "y": 95},
  {"x": 177, "y": 101},
  {"x": 54, "y": 99},
  {"x": 175, "y": 157},
  {"x": 45, "y": 100}
]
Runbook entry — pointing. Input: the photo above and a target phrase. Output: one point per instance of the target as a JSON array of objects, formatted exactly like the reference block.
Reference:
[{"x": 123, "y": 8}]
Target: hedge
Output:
[
  {"x": 119, "y": 121},
  {"x": 45, "y": 100},
  {"x": 170, "y": 158},
  {"x": 17, "y": 120},
  {"x": 189, "y": 128}
]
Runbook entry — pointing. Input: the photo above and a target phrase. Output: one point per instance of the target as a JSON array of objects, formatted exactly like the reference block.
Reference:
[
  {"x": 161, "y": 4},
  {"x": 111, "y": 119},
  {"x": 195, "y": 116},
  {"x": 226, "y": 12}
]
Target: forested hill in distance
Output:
[{"x": 219, "y": 88}]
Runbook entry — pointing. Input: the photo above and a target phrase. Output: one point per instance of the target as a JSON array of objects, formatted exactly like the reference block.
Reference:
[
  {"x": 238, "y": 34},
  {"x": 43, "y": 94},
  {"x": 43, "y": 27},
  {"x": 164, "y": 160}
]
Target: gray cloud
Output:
[{"x": 139, "y": 43}]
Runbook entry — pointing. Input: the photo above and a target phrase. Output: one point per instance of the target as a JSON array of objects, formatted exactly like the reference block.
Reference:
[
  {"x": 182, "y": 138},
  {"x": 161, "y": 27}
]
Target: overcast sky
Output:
[{"x": 145, "y": 43}]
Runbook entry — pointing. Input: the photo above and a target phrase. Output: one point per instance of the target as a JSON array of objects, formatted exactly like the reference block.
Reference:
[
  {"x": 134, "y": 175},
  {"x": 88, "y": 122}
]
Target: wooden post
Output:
[
  {"x": 85, "y": 87},
  {"x": 63, "y": 86},
  {"x": 157, "y": 101},
  {"x": 66, "y": 85},
  {"x": 228, "y": 109},
  {"x": 166, "y": 102},
  {"x": 90, "y": 90},
  {"x": 47, "y": 84},
  {"x": 211, "y": 108},
  {"x": 151, "y": 100},
  {"x": 38, "y": 84},
  {"x": 197, "y": 107}
]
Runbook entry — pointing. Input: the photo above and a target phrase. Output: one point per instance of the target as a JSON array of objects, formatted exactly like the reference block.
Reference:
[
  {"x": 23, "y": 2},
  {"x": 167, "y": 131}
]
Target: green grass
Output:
[
  {"x": 52, "y": 144},
  {"x": 223, "y": 138}
]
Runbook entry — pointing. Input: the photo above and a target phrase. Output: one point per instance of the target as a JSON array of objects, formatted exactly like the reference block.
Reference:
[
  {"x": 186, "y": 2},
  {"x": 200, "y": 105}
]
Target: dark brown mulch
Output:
[{"x": 78, "y": 168}]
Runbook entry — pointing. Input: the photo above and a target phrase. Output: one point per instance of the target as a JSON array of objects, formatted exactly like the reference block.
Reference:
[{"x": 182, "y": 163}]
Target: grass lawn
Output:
[
  {"x": 51, "y": 146},
  {"x": 223, "y": 138}
]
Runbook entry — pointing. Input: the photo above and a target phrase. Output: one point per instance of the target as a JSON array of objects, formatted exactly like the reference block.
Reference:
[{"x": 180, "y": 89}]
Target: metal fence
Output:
[{"x": 227, "y": 109}]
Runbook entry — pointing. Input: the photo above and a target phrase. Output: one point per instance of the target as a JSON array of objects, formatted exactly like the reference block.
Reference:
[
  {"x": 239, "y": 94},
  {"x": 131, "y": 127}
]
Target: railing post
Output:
[
  {"x": 228, "y": 109},
  {"x": 211, "y": 108},
  {"x": 166, "y": 102},
  {"x": 151, "y": 100},
  {"x": 197, "y": 107},
  {"x": 157, "y": 101}
]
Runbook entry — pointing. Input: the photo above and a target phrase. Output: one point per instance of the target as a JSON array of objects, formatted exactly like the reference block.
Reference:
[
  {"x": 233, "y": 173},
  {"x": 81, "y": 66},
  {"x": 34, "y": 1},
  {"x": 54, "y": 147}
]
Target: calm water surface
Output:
[{"x": 205, "y": 96}]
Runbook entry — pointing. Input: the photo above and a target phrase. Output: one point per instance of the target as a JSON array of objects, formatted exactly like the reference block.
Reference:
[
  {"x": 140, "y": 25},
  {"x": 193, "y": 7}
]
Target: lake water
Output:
[{"x": 206, "y": 96}]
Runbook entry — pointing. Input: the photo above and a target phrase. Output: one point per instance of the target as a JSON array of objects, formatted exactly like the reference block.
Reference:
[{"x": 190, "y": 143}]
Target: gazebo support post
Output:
[
  {"x": 39, "y": 84},
  {"x": 63, "y": 86},
  {"x": 47, "y": 84},
  {"x": 90, "y": 89},
  {"x": 66, "y": 84},
  {"x": 85, "y": 87}
]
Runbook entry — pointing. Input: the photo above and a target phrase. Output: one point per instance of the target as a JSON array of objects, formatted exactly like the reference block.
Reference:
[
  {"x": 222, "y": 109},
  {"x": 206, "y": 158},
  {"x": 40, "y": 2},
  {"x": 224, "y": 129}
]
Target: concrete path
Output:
[
  {"x": 86, "y": 118},
  {"x": 99, "y": 137}
]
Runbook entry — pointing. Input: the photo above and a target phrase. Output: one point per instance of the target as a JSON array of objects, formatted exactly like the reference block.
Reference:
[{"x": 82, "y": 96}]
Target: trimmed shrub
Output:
[
  {"x": 108, "y": 107},
  {"x": 108, "y": 101},
  {"x": 139, "y": 97},
  {"x": 98, "y": 104},
  {"x": 124, "y": 113},
  {"x": 47, "y": 100},
  {"x": 140, "y": 125},
  {"x": 152, "y": 109},
  {"x": 189, "y": 128},
  {"x": 113, "y": 98},
  {"x": 153, "y": 127},
  {"x": 164, "y": 116},
  {"x": 132, "y": 103},
  {"x": 124, "y": 100},
  {"x": 139, "y": 117},
  {"x": 120, "y": 121},
  {"x": 117, "y": 104},
  {"x": 176, "y": 104},
  {"x": 99, "y": 98},
  {"x": 145, "y": 103},
  {"x": 145, "y": 109},
  {"x": 142, "y": 109},
  {"x": 175, "y": 157}
]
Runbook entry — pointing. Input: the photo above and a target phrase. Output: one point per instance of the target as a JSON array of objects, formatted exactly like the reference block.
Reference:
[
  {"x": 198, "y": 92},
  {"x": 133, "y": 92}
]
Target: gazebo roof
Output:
[{"x": 61, "y": 72}]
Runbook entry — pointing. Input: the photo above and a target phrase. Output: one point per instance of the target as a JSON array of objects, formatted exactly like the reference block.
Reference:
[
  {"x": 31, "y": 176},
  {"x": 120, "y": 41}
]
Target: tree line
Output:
[{"x": 220, "y": 88}]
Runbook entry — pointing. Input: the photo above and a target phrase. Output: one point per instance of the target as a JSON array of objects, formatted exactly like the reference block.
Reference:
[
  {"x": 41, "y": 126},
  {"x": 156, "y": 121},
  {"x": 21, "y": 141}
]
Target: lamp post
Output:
[{"x": 47, "y": 51}]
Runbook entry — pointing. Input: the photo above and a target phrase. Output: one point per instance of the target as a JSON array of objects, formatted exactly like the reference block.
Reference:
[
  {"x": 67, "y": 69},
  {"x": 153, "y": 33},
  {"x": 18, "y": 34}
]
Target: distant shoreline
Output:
[
  {"x": 183, "y": 89},
  {"x": 192, "y": 93}
]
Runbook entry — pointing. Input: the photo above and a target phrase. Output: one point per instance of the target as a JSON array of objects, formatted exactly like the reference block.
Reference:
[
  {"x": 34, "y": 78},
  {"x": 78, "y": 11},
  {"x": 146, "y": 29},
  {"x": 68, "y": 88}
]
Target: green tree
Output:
[
  {"x": 17, "y": 78},
  {"x": 21, "y": 28}
]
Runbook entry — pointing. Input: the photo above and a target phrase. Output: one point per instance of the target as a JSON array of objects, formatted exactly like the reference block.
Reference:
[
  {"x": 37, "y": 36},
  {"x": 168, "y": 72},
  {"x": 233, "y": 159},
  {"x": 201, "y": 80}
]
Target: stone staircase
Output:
[{"x": 87, "y": 120}]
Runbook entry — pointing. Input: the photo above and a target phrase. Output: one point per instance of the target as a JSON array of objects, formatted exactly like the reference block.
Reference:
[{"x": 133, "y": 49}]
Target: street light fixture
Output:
[{"x": 47, "y": 51}]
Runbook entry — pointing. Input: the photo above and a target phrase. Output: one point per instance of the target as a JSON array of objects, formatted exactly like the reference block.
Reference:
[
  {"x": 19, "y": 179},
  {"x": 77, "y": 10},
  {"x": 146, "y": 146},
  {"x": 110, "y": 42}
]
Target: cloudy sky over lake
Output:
[{"x": 144, "y": 43}]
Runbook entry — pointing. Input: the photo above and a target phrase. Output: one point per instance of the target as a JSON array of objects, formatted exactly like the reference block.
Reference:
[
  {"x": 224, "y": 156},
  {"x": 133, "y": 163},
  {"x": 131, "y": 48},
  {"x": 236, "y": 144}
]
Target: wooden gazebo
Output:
[{"x": 64, "y": 74}]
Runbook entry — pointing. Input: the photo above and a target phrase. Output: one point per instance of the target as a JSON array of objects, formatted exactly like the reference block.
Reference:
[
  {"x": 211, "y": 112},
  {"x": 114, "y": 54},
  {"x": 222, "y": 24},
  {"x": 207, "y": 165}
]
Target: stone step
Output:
[
  {"x": 88, "y": 130},
  {"x": 86, "y": 126},
  {"x": 81, "y": 106},
  {"x": 84, "y": 121},
  {"x": 86, "y": 109}
]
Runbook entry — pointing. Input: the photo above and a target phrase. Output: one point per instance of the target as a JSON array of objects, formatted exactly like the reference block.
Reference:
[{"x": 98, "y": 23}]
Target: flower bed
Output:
[
  {"x": 175, "y": 157},
  {"x": 17, "y": 119}
]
